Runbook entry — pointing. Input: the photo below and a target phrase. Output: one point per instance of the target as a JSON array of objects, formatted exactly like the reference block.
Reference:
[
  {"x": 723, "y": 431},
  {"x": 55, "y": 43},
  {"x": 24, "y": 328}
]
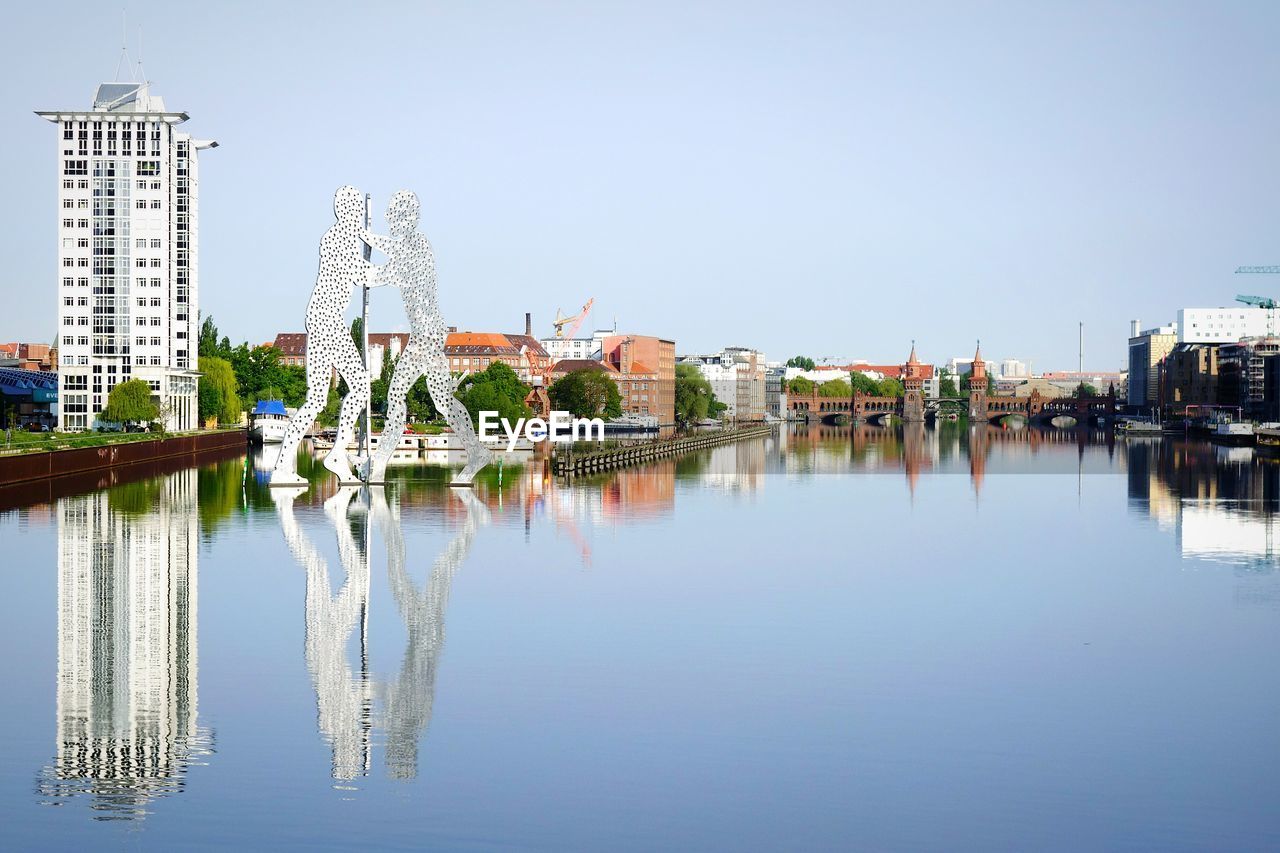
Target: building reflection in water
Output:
[
  {"x": 346, "y": 692},
  {"x": 1221, "y": 502},
  {"x": 127, "y": 725}
]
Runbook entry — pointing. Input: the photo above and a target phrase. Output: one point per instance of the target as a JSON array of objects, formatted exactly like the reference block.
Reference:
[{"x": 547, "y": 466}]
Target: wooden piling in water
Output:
[{"x": 570, "y": 464}]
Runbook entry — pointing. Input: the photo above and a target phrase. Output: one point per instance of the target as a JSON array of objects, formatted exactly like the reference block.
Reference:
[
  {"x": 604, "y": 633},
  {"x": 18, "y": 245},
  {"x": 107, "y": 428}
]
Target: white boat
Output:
[
  {"x": 268, "y": 422},
  {"x": 632, "y": 423},
  {"x": 1135, "y": 427},
  {"x": 1232, "y": 432}
]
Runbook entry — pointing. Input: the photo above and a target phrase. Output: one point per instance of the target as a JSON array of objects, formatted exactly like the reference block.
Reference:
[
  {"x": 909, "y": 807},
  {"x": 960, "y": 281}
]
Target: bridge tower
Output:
[
  {"x": 977, "y": 388},
  {"x": 913, "y": 389}
]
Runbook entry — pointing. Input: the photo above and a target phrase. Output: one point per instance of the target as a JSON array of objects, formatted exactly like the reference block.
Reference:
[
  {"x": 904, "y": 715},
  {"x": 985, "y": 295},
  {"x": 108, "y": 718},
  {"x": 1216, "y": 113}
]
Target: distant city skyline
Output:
[{"x": 818, "y": 179}]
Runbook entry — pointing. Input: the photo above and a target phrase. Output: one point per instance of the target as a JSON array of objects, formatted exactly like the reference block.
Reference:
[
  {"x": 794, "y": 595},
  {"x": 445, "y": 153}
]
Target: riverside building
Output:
[{"x": 128, "y": 292}]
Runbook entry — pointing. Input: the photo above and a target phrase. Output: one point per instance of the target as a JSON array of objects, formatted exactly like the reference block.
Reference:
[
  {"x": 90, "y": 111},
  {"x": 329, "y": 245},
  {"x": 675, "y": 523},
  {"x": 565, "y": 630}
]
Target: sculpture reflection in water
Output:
[
  {"x": 344, "y": 695},
  {"x": 127, "y": 724},
  {"x": 410, "y": 695}
]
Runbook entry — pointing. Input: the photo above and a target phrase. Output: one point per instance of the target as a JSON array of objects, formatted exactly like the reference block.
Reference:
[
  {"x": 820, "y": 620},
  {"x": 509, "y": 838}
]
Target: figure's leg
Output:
[
  {"x": 285, "y": 472},
  {"x": 459, "y": 419},
  {"x": 352, "y": 370},
  {"x": 408, "y": 369}
]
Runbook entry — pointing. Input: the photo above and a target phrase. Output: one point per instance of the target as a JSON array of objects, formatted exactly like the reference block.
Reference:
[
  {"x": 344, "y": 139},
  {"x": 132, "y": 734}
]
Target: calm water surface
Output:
[{"x": 831, "y": 639}]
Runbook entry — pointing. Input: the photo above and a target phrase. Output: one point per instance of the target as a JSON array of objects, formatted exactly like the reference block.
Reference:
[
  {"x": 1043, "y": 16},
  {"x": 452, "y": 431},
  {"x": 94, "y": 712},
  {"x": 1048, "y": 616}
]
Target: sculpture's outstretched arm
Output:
[{"x": 378, "y": 241}]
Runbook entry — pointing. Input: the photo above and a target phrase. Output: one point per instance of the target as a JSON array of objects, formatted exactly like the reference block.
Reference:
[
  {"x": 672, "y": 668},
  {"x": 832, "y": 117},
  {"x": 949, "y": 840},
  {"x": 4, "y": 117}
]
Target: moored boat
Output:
[
  {"x": 1139, "y": 428},
  {"x": 268, "y": 422},
  {"x": 1267, "y": 437},
  {"x": 1232, "y": 432}
]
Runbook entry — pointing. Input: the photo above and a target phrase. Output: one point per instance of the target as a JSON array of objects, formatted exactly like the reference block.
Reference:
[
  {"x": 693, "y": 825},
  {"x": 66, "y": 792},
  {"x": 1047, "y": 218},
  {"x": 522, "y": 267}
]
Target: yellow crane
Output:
[{"x": 561, "y": 321}]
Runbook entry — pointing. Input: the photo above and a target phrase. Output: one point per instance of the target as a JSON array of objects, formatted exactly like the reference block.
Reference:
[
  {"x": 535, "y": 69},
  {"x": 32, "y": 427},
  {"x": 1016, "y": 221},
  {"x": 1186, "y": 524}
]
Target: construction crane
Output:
[
  {"x": 1261, "y": 301},
  {"x": 573, "y": 322},
  {"x": 545, "y": 369},
  {"x": 1256, "y": 301}
]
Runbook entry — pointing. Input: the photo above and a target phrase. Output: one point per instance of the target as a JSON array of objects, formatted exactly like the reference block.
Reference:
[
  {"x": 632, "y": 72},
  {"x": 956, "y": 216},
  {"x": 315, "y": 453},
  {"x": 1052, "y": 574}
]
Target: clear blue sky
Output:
[{"x": 832, "y": 179}]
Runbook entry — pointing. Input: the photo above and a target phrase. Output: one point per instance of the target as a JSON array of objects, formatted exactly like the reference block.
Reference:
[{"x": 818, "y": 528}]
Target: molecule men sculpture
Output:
[{"x": 411, "y": 267}]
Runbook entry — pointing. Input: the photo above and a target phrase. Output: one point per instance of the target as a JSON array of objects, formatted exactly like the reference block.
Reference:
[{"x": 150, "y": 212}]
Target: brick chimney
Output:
[
  {"x": 528, "y": 324},
  {"x": 624, "y": 362}
]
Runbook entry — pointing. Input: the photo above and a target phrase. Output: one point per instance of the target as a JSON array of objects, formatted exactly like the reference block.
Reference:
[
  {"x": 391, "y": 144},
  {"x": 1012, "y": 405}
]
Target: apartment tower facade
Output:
[{"x": 128, "y": 288}]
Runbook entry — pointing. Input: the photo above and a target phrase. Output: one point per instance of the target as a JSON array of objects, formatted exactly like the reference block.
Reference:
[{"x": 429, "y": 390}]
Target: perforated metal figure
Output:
[
  {"x": 411, "y": 266},
  {"x": 329, "y": 343}
]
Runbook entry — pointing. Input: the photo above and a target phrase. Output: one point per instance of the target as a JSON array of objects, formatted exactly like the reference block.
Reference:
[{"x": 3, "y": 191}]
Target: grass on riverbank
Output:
[{"x": 36, "y": 442}]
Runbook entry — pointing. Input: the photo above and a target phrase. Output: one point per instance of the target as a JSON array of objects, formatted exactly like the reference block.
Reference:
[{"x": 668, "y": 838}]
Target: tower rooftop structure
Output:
[{"x": 979, "y": 366}]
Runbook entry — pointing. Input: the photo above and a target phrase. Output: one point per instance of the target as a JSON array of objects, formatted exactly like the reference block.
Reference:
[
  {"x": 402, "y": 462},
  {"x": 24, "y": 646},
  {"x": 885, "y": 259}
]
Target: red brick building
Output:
[
  {"x": 293, "y": 347},
  {"x": 646, "y": 366},
  {"x": 638, "y": 384},
  {"x": 31, "y": 356}
]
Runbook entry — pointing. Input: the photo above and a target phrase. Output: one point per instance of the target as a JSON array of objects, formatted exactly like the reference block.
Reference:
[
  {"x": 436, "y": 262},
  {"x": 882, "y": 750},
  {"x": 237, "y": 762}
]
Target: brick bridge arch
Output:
[{"x": 864, "y": 407}]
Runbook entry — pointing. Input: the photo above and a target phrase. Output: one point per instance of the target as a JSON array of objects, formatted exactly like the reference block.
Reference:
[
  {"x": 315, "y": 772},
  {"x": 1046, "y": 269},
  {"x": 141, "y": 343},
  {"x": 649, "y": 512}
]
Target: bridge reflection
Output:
[{"x": 915, "y": 449}]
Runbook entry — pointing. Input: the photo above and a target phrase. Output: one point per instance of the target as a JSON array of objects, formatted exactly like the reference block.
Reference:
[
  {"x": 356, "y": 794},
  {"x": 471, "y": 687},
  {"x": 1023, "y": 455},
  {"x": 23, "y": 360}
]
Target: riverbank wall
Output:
[{"x": 28, "y": 467}]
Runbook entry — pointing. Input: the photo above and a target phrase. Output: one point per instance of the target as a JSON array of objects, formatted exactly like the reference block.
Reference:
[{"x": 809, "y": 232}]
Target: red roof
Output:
[
  {"x": 383, "y": 339},
  {"x": 292, "y": 343},
  {"x": 889, "y": 371},
  {"x": 569, "y": 365},
  {"x": 529, "y": 343}
]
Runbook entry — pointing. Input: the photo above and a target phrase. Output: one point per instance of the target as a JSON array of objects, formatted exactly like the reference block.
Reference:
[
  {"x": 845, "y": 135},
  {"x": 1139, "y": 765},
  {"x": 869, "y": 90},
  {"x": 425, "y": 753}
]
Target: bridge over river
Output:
[{"x": 914, "y": 407}]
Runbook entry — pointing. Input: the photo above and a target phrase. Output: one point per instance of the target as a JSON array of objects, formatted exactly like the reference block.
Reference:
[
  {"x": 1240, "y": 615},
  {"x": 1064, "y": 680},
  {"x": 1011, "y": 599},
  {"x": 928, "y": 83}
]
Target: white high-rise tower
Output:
[{"x": 128, "y": 298}]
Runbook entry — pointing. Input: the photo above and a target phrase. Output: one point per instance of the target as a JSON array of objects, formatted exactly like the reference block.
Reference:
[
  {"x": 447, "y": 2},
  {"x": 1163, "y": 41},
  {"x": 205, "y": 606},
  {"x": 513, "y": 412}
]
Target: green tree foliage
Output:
[
  {"x": 418, "y": 402},
  {"x": 835, "y": 388},
  {"x": 357, "y": 334},
  {"x": 208, "y": 341},
  {"x": 800, "y": 386},
  {"x": 258, "y": 371},
  {"x": 261, "y": 376},
  {"x": 864, "y": 384},
  {"x": 889, "y": 387},
  {"x": 379, "y": 386},
  {"x": 801, "y": 361},
  {"x": 1085, "y": 389},
  {"x": 130, "y": 402},
  {"x": 586, "y": 394},
  {"x": 495, "y": 389},
  {"x": 218, "y": 397},
  {"x": 947, "y": 384},
  {"x": 694, "y": 398},
  {"x": 292, "y": 385},
  {"x": 329, "y": 414}
]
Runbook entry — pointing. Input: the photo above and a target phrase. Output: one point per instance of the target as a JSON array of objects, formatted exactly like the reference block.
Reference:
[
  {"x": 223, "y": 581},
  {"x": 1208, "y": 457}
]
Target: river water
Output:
[{"x": 834, "y": 638}]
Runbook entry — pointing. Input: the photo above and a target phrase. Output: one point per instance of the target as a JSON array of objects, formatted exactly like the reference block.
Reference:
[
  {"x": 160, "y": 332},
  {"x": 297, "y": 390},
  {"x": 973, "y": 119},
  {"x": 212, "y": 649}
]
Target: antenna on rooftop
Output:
[
  {"x": 123, "y": 61},
  {"x": 141, "y": 71}
]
